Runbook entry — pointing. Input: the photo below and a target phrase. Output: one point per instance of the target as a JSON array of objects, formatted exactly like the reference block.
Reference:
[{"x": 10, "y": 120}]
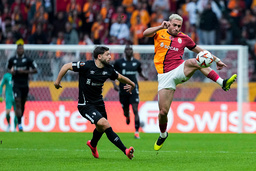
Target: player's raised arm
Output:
[
  {"x": 62, "y": 72},
  {"x": 219, "y": 63},
  {"x": 149, "y": 32}
]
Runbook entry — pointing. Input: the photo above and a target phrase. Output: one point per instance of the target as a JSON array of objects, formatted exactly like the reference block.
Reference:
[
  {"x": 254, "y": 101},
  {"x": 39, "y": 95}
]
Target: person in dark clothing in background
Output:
[
  {"x": 208, "y": 25},
  {"x": 20, "y": 66}
]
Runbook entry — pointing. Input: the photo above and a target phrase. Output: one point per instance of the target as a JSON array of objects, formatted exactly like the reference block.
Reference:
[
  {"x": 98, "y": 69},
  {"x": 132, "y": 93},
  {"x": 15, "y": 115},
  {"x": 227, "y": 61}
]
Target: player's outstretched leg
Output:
[
  {"x": 160, "y": 142},
  {"x": 228, "y": 82},
  {"x": 93, "y": 149},
  {"x": 129, "y": 152}
]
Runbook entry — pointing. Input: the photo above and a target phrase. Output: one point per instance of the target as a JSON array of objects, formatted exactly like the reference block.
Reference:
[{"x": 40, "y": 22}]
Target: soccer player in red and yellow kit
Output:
[{"x": 173, "y": 70}]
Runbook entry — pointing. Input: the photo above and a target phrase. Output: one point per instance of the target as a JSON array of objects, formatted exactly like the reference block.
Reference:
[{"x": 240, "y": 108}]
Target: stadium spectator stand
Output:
[
  {"x": 231, "y": 95},
  {"x": 69, "y": 93},
  {"x": 39, "y": 94}
]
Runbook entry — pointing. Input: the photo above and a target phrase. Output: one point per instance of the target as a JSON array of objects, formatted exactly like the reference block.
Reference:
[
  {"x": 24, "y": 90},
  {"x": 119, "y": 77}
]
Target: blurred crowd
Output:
[
  {"x": 120, "y": 21},
  {"x": 208, "y": 22}
]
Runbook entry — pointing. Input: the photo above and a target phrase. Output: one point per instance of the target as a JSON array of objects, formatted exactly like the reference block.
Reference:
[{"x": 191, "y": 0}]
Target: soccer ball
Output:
[{"x": 204, "y": 59}]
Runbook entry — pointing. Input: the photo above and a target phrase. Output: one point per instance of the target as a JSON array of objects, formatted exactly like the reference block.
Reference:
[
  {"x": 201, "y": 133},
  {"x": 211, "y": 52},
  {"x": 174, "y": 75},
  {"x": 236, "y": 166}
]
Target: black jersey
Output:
[
  {"x": 128, "y": 69},
  {"x": 91, "y": 80},
  {"x": 23, "y": 63}
]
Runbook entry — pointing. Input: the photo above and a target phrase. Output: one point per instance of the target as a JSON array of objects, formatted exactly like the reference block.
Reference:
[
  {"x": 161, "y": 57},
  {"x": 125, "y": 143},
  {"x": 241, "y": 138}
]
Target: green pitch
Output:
[{"x": 67, "y": 151}]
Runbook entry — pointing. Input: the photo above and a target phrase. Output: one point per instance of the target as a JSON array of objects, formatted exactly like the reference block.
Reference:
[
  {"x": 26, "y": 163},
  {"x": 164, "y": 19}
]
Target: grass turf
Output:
[{"x": 67, "y": 151}]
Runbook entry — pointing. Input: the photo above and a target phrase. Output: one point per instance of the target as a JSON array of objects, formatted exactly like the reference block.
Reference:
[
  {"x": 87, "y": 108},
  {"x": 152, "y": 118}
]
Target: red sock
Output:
[
  {"x": 213, "y": 76},
  {"x": 163, "y": 127}
]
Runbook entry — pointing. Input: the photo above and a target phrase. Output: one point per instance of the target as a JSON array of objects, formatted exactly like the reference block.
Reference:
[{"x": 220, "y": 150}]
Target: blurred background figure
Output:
[
  {"x": 9, "y": 99},
  {"x": 129, "y": 67},
  {"x": 20, "y": 66},
  {"x": 208, "y": 25},
  {"x": 119, "y": 31}
]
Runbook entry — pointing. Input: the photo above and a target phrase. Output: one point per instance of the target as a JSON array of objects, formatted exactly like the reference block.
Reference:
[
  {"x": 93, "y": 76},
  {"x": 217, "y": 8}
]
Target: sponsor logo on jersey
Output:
[{"x": 169, "y": 47}]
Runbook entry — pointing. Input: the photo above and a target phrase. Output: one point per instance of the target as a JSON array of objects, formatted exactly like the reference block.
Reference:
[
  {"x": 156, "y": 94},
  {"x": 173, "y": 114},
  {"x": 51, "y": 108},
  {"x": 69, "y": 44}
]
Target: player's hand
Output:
[
  {"x": 1, "y": 99},
  {"x": 13, "y": 72},
  {"x": 165, "y": 24},
  {"x": 57, "y": 85},
  {"x": 128, "y": 88},
  {"x": 220, "y": 65}
]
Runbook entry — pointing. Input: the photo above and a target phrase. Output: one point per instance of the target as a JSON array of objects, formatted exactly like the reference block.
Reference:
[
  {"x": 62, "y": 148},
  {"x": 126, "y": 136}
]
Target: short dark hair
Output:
[{"x": 99, "y": 50}]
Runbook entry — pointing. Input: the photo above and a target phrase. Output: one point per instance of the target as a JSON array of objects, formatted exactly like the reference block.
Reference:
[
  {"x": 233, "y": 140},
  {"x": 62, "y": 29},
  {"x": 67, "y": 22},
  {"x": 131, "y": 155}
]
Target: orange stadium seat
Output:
[
  {"x": 112, "y": 95},
  {"x": 184, "y": 94},
  {"x": 69, "y": 93},
  {"x": 39, "y": 94},
  {"x": 220, "y": 95}
]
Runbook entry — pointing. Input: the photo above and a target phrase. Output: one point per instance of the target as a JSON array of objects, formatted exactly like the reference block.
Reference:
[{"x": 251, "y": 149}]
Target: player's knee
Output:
[
  {"x": 8, "y": 112},
  {"x": 192, "y": 63},
  {"x": 102, "y": 125},
  {"x": 163, "y": 112}
]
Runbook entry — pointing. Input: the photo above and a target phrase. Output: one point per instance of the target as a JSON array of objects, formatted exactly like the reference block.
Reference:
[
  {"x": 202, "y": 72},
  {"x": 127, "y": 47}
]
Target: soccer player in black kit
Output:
[
  {"x": 20, "y": 66},
  {"x": 92, "y": 75},
  {"x": 129, "y": 67}
]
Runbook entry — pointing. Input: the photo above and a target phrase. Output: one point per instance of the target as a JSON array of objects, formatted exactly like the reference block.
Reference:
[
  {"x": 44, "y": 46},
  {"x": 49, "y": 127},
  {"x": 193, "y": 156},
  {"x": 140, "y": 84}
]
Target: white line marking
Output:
[{"x": 143, "y": 151}]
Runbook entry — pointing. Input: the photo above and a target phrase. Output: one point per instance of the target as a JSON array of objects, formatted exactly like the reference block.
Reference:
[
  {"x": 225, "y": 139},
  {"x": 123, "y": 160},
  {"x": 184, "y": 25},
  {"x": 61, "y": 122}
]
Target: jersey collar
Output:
[
  {"x": 127, "y": 60},
  {"x": 21, "y": 56}
]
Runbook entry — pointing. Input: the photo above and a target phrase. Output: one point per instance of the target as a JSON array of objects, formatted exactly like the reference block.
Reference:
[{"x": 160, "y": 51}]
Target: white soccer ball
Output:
[{"x": 204, "y": 59}]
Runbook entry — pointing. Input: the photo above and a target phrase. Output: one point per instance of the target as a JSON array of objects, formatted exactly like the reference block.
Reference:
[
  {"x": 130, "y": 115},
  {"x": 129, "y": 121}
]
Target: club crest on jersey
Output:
[
  {"x": 92, "y": 72},
  {"x": 82, "y": 63},
  {"x": 180, "y": 40},
  {"x": 104, "y": 72}
]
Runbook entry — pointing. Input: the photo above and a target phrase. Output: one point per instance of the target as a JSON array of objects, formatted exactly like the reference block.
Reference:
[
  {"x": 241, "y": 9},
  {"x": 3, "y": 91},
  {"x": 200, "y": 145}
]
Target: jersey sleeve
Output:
[
  {"x": 32, "y": 64},
  {"x": 79, "y": 66},
  {"x": 114, "y": 74},
  {"x": 1, "y": 85},
  {"x": 10, "y": 63},
  {"x": 139, "y": 67},
  {"x": 190, "y": 43}
]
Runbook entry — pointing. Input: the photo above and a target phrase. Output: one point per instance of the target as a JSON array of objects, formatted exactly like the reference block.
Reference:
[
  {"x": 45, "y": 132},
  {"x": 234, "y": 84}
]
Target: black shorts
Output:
[
  {"x": 126, "y": 98},
  {"x": 20, "y": 92},
  {"x": 92, "y": 112}
]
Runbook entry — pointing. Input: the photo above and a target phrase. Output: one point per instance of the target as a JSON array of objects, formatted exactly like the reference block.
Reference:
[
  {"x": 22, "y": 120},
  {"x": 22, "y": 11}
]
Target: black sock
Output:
[
  {"x": 114, "y": 138},
  {"x": 137, "y": 125},
  {"x": 19, "y": 120},
  {"x": 96, "y": 137}
]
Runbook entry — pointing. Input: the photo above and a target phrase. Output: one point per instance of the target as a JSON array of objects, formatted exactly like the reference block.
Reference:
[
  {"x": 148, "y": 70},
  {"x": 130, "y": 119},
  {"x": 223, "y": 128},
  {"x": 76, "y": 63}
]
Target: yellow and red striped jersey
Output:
[{"x": 169, "y": 50}]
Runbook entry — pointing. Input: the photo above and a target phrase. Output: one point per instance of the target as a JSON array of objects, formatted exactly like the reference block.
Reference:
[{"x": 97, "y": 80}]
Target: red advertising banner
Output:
[{"x": 189, "y": 117}]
